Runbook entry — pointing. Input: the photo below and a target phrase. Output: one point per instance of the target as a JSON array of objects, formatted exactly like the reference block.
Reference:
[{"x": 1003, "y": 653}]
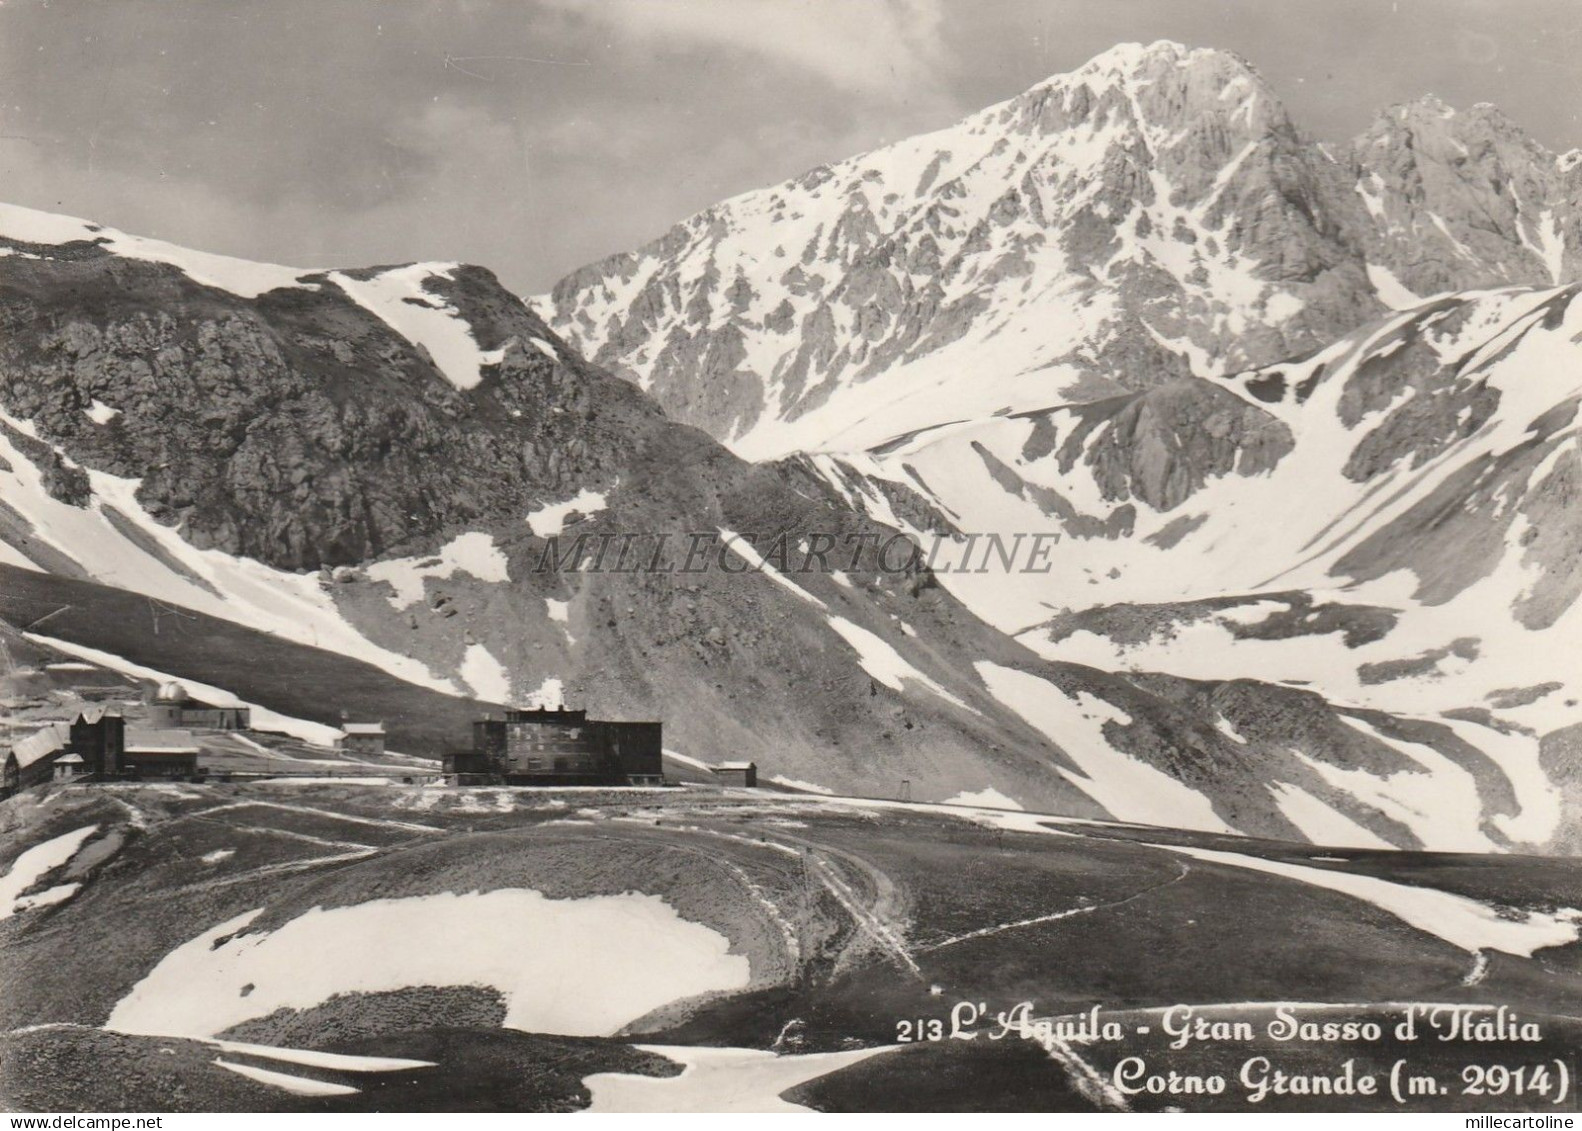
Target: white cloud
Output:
[{"x": 873, "y": 46}]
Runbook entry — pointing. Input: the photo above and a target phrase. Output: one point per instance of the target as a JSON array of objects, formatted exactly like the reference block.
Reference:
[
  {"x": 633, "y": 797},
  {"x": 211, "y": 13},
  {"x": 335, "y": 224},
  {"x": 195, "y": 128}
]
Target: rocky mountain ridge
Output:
[{"x": 1152, "y": 215}]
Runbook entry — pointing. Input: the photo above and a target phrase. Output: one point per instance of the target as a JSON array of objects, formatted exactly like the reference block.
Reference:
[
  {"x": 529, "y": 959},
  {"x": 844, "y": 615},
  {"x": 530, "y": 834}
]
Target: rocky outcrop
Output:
[
  {"x": 1164, "y": 445},
  {"x": 297, "y": 427}
]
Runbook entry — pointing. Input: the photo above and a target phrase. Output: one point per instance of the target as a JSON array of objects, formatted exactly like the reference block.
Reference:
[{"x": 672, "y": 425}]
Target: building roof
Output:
[
  {"x": 98, "y": 711},
  {"x": 41, "y": 744},
  {"x": 173, "y": 694},
  {"x": 151, "y": 741},
  {"x": 542, "y": 714},
  {"x": 736, "y": 766},
  {"x": 363, "y": 728},
  {"x": 69, "y": 760}
]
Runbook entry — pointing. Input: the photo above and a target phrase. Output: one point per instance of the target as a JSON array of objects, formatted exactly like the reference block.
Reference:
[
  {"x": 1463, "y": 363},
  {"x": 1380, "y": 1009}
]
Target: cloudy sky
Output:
[{"x": 536, "y": 135}]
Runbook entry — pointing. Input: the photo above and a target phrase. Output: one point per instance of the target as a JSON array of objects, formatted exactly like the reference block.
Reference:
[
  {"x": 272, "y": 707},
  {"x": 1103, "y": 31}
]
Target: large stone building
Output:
[{"x": 544, "y": 746}]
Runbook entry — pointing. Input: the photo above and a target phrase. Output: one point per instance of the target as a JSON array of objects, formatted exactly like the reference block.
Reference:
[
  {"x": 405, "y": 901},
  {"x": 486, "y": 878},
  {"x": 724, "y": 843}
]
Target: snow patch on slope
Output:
[
  {"x": 717, "y": 1080},
  {"x": 472, "y": 553},
  {"x": 550, "y": 693},
  {"x": 635, "y": 952},
  {"x": 399, "y": 299},
  {"x": 101, "y": 413},
  {"x": 1467, "y": 923},
  {"x": 1391, "y": 291},
  {"x": 549, "y": 520},
  {"x": 1129, "y": 789},
  {"x": 1321, "y": 823},
  {"x": 748, "y": 553}
]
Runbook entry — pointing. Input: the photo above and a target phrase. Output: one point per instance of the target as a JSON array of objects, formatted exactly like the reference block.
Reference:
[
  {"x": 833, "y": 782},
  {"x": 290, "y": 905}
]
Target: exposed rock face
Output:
[
  {"x": 404, "y": 432},
  {"x": 297, "y": 427},
  {"x": 1166, "y": 444},
  {"x": 1151, "y": 215},
  {"x": 1465, "y": 199}
]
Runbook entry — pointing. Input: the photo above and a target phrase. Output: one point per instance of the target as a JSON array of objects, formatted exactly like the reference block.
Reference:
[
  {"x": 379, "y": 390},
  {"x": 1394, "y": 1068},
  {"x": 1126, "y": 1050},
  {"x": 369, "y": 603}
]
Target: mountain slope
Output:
[
  {"x": 423, "y": 417},
  {"x": 229, "y": 957},
  {"x": 1392, "y": 523}
]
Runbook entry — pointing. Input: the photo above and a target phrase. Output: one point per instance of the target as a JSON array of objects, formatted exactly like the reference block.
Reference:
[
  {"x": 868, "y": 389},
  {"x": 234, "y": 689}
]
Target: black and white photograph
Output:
[{"x": 824, "y": 556}]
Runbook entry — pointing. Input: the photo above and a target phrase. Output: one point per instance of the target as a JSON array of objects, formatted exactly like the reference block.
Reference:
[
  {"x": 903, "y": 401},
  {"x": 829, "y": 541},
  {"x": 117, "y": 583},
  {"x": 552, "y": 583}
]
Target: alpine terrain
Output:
[
  {"x": 1259, "y": 423},
  {"x": 1139, "y": 546}
]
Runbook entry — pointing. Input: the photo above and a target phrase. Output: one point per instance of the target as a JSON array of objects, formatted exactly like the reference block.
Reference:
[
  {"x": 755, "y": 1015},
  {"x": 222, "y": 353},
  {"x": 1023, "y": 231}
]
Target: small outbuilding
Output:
[
  {"x": 362, "y": 739},
  {"x": 68, "y": 767},
  {"x": 737, "y": 773}
]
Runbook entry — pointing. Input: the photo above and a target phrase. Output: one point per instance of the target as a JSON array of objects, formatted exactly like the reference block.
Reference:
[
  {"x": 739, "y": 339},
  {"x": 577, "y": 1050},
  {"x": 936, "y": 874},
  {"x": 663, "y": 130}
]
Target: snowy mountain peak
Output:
[
  {"x": 1163, "y": 85},
  {"x": 1128, "y": 60},
  {"x": 1128, "y": 222},
  {"x": 1153, "y": 214}
]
